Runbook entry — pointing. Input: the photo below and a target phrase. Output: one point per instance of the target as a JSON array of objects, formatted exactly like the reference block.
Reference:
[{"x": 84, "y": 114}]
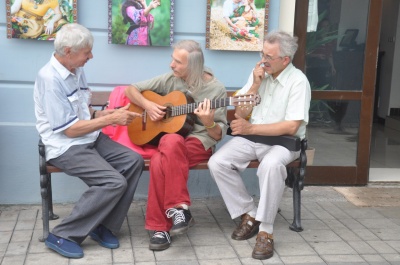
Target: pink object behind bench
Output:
[{"x": 120, "y": 133}]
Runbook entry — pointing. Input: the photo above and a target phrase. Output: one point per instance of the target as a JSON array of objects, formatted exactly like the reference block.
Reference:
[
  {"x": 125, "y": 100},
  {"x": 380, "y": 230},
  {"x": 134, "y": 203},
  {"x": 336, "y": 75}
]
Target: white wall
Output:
[
  {"x": 112, "y": 65},
  {"x": 389, "y": 95},
  {"x": 286, "y": 18}
]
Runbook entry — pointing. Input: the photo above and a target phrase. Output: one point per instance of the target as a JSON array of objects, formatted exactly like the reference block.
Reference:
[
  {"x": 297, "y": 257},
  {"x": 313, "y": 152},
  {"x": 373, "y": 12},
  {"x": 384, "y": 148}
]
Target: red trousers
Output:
[{"x": 169, "y": 173}]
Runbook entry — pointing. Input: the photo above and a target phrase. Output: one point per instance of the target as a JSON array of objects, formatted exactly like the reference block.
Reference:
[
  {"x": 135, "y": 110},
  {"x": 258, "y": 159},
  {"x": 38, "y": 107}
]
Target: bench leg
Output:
[
  {"x": 296, "y": 225},
  {"x": 44, "y": 192},
  {"x": 47, "y": 204},
  {"x": 52, "y": 216}
]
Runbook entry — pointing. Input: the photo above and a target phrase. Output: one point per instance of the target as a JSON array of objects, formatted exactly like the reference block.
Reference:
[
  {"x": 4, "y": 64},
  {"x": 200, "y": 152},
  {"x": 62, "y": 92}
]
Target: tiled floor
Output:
[
  {"x": 385, "y": 154},
  {"x": 335, "y": 232}
]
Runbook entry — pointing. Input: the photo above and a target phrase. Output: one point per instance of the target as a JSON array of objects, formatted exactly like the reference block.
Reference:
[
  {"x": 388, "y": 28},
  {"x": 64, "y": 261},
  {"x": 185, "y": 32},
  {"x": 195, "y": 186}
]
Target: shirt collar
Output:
[
  {"x": 61, "y": 69},
  {"x": 284, "y": 75}
]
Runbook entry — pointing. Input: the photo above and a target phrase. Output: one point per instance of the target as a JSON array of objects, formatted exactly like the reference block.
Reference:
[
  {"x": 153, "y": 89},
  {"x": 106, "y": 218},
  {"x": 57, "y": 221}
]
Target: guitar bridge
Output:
[{"x": 144, "y": 120}]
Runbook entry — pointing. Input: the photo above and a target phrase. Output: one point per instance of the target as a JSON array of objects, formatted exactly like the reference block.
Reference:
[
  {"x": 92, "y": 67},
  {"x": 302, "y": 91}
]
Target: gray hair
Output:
[
  {"x": 74, "y": 36},
  {"x": 287, "y": 43},
  {"x": 195, "y": 68}
]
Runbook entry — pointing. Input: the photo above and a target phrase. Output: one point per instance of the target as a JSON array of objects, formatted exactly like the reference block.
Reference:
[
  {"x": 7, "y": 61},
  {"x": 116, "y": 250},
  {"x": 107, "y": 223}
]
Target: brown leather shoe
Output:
[
  {"x": 247, "y": 228},
  {"x": 264, "y": 248}
]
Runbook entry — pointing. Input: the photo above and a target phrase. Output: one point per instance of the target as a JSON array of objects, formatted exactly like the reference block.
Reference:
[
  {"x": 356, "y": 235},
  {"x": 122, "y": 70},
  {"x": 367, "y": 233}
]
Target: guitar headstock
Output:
[{"x": 246, "y": 100}]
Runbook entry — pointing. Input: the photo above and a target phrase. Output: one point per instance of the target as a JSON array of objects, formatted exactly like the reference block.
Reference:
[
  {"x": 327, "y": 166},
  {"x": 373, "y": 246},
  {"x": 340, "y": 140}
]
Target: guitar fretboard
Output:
[{"x": 217, "y": 103}]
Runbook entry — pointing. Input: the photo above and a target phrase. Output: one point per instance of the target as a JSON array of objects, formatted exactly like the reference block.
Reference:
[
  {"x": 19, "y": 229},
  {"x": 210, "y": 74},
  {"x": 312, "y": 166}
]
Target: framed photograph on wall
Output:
[
  {"x": 236, "y": 25},
  {"x": 38, "y": 19},
  {"x": 349, "y": 39},
  {"x": 141, "y": 22}
]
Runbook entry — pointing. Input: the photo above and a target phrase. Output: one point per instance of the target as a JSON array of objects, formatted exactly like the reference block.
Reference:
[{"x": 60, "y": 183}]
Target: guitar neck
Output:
[{"x": 189, "y": 108}]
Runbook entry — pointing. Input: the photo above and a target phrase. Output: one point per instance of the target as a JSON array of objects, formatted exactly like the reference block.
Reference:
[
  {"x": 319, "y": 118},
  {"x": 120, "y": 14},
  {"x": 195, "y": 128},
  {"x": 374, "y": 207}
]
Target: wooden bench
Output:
[{"x": 295, "y": 170}]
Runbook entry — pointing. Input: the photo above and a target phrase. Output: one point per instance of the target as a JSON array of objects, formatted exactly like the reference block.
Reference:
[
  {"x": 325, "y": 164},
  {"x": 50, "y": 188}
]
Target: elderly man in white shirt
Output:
[{"x": 70, "y": 131}]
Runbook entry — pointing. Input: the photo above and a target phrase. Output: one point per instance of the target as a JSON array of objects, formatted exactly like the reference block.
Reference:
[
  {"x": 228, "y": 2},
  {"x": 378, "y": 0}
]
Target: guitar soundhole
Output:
[{"x": 168, "y": 112}]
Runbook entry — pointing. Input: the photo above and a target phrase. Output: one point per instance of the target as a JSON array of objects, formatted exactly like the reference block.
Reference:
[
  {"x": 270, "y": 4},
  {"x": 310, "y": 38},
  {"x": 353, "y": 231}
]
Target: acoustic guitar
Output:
[{"x": 179, "y": 115}]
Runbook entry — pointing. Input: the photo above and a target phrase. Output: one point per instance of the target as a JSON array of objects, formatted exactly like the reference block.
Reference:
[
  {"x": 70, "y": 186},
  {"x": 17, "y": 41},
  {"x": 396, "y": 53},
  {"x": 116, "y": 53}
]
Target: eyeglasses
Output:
[{"x": 267, "y": 57}]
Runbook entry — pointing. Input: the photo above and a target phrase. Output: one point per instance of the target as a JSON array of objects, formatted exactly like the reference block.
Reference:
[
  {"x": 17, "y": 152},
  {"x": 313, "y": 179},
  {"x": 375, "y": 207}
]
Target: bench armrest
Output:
[{"x": 292, "y": 143}]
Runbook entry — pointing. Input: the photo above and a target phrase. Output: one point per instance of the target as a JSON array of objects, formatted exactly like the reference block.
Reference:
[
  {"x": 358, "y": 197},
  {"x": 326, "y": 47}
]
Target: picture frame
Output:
[
  {"x": 236, "y": 25},
  {"x": 128, "y": 26},
  {"x": 349, "y": 38},
  {"x": 39, "y": 19}
]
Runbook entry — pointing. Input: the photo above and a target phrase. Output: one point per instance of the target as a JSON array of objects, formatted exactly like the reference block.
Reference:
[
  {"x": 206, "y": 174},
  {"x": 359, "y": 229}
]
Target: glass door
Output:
[{"x": 338, "y": 52}]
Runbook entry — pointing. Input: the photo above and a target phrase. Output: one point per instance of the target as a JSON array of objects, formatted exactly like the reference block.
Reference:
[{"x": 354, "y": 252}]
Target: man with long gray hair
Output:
[
  {"x": 70, "y": 131},
  {"x": 285, "y": 101},
  {"x": 168, "y": 196}
]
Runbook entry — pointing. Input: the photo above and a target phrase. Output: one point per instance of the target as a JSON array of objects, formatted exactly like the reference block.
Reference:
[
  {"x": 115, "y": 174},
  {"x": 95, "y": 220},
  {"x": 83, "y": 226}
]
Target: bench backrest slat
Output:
[{"x": 100, "y": 98}]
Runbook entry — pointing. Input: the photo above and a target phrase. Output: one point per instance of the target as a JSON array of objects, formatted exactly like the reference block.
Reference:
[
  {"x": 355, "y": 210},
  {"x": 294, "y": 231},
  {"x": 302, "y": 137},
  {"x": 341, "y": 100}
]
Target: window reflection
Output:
[
  {"x": 333, "y": 132},
  {"x": 335, "y": 49}
]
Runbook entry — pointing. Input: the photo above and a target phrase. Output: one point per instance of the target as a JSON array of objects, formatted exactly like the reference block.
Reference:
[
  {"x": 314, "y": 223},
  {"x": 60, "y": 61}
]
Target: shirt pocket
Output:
[
  {"x": 86, "y": 95},
  {"x": 75, "y": 103}
]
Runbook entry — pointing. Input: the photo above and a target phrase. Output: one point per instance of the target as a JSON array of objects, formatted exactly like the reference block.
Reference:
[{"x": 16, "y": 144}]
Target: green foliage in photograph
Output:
[
  {"x": 66, "y": 7},
  {"x": 259, "y": 3}
]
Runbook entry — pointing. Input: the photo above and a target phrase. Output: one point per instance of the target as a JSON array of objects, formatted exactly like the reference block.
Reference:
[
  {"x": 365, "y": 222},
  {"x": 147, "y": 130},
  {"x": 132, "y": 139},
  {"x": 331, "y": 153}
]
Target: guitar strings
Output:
[{"x": 217, "y": 103}]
